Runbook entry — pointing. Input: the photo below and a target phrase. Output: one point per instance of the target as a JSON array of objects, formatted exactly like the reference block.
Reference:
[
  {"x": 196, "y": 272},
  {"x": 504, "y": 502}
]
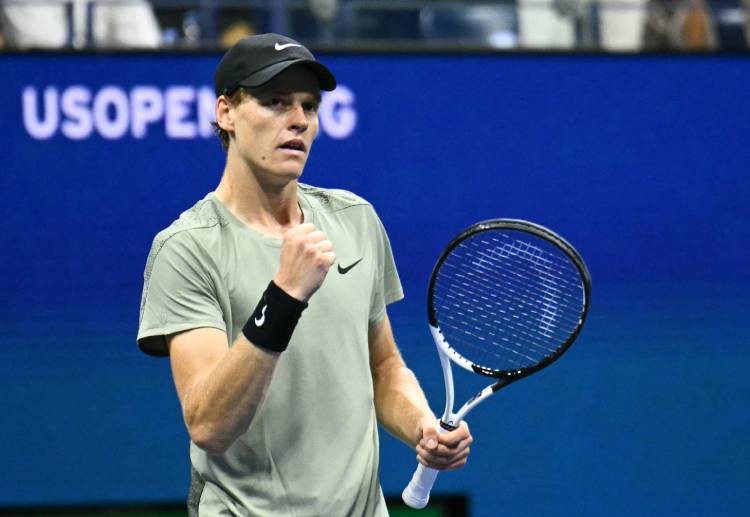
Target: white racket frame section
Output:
[
  {"x": 447, "y": 354},
  {"x": 417, "y": 492}
]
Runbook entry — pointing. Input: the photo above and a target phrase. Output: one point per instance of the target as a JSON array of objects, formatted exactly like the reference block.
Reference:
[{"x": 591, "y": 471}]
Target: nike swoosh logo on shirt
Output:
[
  {"x": 279, "y": 46},
  {"x": 345, "y": 270}
]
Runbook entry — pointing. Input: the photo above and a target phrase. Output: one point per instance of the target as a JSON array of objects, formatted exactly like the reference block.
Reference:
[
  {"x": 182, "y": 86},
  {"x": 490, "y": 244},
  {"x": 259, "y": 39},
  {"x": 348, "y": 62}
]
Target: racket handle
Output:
[{"x": 417, "y": 492}]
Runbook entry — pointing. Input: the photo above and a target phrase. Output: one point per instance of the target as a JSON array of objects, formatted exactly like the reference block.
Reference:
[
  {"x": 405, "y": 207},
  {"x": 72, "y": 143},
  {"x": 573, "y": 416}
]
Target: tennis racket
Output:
[{"x": 506, "y": 298}]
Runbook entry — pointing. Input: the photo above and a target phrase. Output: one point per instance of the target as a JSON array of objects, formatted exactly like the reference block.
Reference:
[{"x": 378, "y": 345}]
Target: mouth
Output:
[{"x": 294, "y": 145}]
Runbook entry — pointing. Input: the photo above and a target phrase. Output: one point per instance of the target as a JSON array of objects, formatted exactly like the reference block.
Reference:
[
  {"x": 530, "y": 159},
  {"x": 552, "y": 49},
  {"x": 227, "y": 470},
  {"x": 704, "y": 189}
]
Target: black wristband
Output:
[{"x": 272, "y": 323}]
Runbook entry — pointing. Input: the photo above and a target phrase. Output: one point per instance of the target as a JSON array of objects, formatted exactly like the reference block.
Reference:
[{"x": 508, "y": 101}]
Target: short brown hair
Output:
[{"x": 233, "y": 99}]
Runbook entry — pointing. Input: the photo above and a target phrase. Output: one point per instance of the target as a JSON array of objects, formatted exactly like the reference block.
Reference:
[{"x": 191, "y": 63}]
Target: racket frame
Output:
[{"x": 417, "y": 492}]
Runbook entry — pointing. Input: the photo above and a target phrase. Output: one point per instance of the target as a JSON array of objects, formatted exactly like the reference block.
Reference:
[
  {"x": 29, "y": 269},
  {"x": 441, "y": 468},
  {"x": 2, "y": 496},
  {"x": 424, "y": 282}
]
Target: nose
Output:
[{"x": 298, "y": 119}]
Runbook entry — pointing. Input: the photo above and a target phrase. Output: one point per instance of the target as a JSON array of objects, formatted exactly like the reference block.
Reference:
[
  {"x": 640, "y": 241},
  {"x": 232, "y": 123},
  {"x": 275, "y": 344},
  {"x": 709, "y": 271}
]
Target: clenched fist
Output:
[{"x": 306, "y": 256}]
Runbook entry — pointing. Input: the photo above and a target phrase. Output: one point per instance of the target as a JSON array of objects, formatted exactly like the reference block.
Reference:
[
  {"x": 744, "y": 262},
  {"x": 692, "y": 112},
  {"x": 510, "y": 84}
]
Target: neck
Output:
[{"x": 270, "y": 208}]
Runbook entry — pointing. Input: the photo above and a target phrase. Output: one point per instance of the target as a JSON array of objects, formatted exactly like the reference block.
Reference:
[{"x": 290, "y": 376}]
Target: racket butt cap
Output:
[{"x": 412, "y": 500}]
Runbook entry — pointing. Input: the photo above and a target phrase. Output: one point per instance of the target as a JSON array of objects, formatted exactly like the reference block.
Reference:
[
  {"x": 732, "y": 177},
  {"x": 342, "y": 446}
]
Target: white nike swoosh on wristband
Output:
[
  {"x": 279, "y": 46},
  {"x": 260, "y": 321}
]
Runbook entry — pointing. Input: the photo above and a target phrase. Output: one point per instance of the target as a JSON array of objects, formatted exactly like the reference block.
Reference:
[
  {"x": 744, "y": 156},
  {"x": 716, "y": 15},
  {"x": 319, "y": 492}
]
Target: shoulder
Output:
[
  {"x": 332, "y": 200},
  {"x": 189, "y": 229},
  {"x": 189, "y": 238}
]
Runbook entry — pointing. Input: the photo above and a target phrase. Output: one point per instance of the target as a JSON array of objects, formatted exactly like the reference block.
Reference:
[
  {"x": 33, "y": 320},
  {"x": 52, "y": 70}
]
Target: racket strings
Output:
[
  {"x": 544, "y": 314},
  {"x": 521, "y": 286},
  {"x": 548, "y": 306},
  {"x": 499, "y": 340},
  {"x": 507, "y": 300},
  {"x": 476, "y": 325},
  {"x": 504, "y": 332},
  {"x": 500, "y": 320},
  {"x": 546, "y": 302}
]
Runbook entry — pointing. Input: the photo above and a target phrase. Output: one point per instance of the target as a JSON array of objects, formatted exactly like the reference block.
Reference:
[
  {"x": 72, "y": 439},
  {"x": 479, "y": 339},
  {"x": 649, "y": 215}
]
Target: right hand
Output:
[
  {"x": 306, "y": 257},
  {"x": 446, "y": 450}
]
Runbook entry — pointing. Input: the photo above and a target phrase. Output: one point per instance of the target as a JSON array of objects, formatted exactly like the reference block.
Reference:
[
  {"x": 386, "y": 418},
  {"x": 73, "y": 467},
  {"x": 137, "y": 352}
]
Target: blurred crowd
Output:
[{"x": 610, "y": 25}]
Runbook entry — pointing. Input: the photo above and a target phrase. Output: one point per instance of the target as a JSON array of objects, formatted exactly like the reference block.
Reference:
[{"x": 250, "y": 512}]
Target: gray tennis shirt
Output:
[{"x": 312, "y": 449}]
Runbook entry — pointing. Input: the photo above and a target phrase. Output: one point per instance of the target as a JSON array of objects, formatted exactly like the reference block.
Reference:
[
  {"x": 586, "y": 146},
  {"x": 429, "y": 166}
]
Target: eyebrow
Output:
[{"x": 315, "y": 96}]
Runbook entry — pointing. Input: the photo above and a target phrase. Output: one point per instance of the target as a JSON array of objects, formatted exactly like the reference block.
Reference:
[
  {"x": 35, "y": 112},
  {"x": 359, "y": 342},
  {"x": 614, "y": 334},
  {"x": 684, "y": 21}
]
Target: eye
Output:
[
  {"x": 274, "y": 102},
  {"x": 311, "y": 107}
]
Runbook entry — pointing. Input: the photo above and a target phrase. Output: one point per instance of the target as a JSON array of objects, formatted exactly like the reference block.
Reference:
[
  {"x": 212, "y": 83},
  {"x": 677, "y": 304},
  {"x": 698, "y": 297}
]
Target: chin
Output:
[
  {"x": 288, "y": 174},
  {"x": 293, "y": 170}
]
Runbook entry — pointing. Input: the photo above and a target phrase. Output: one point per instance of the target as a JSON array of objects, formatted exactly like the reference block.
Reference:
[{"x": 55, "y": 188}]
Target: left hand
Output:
[{"x": 447, "y": 451}]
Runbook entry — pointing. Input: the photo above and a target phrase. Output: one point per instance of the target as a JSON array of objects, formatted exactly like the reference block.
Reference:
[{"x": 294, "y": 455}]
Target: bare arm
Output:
[
  {"x": 400, "y": 403},
  {"x": 221, "y": 387},
  {"x": 402, "y": 408}
]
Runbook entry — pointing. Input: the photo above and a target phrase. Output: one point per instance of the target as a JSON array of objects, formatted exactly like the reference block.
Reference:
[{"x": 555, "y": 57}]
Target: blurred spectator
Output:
[
  {"x": 324, "y": 12},
  {"x": 679, "y": 25},
  {"x": 730, "y": 22},
  {"x": 78, "y": 23},
  {"x": 235, "y": 32},
  {"x": 616, "y": 24}
]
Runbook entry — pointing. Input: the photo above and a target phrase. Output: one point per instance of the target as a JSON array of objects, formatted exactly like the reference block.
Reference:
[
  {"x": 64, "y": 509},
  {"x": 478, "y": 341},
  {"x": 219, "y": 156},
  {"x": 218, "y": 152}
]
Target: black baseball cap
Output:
[{"x": 255, "y": 60}]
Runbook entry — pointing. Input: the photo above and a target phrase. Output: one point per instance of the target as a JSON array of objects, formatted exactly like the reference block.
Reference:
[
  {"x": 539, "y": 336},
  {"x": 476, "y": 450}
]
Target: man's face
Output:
[{"x": 276, "y": 124}]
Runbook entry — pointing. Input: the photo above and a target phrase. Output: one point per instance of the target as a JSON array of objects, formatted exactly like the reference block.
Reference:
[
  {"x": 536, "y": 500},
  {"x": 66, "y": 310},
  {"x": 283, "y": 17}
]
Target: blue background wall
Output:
[{"x": 641, "y": 162}]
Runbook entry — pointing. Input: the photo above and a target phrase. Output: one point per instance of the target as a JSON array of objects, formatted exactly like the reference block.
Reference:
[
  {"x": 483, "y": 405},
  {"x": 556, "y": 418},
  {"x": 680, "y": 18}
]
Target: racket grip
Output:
[{"x": 417, "y": 492}]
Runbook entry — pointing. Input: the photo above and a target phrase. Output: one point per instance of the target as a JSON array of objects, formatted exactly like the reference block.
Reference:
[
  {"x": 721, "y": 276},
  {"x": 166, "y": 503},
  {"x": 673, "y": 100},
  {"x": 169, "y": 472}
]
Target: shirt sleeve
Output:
[
  {"x": 179, "y": 293},
  {"x": 387, "y": 288}
]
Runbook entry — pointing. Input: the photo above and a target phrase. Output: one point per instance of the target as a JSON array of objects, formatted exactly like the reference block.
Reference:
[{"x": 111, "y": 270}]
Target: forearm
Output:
[
  {"x": 400, "y": 403},
  {"x": 219, "y": 407},
  {"x": 221, "y": 387}
]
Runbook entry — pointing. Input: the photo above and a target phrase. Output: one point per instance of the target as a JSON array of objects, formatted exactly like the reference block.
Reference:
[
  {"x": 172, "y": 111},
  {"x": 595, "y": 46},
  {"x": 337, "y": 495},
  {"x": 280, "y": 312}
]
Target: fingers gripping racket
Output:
[{"x": 506, "y": 298}]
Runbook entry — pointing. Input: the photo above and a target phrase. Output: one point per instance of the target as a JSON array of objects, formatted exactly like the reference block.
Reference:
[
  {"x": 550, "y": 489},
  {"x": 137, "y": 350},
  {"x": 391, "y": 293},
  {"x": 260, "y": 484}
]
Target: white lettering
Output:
[
  {"x": 117, "y": 126},
  {"x": 46, "y": 127},
  {"x": 75, "y": 106},
  {"x": 187, "y": 111},
  {"x": 206, "y": 111},
  {"x": 146, "y": 107},
  {"x": 337, "y": 115},
  {"x": 178, "y": 99}
]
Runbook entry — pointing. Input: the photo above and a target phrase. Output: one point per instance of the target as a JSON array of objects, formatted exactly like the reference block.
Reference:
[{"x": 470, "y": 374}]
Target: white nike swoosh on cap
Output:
[{"x": 279, "y": 46}]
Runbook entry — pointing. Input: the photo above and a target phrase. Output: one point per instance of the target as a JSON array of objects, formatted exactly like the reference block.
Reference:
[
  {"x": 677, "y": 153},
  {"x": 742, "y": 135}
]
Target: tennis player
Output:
[{"x": 269, "y": 296}]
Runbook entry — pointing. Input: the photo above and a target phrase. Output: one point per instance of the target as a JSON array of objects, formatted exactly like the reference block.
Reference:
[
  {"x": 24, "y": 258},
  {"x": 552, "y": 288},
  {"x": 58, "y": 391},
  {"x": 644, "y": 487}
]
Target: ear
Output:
[{"x": 224, "y": 114}]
